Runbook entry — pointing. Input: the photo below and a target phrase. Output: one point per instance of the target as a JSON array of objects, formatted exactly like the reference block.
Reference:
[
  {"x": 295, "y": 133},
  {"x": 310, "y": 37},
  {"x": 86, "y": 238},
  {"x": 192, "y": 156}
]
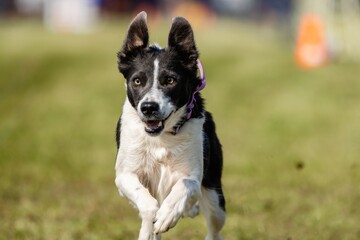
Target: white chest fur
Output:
[{"x": 159, "y": 162}]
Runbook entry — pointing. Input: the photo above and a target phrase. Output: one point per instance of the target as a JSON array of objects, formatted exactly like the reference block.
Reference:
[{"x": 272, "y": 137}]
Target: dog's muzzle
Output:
[{"x": 153, "y": 119}]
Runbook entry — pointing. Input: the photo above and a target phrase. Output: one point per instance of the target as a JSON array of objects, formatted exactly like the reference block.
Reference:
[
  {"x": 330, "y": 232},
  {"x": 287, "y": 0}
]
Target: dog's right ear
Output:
[
  {"x": 137, "y": 38},
  {"x": 137, "y": 35}
]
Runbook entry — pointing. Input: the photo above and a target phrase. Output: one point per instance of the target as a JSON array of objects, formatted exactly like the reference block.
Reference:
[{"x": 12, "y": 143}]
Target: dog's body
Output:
[{"x": 169, "y": 158}]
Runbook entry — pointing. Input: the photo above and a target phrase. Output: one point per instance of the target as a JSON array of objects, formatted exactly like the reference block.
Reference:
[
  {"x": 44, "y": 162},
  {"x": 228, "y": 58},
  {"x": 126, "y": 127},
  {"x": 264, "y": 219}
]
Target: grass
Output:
[{"x": 291, "y": 138}]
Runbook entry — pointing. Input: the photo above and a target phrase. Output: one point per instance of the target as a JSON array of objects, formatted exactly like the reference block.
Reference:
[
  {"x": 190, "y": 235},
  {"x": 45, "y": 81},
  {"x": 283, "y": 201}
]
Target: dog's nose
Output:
[{"x": 149, "y": 108}]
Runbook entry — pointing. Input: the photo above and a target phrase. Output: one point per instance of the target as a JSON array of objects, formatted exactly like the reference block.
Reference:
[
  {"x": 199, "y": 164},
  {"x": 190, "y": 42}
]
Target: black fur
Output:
[
  {"x": 118, "y": 132},
  {"x": 213, "y": 159}
]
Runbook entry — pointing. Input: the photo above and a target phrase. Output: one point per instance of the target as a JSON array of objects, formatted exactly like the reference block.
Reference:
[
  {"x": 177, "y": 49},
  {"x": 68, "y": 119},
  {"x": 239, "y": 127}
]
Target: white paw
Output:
[{"x": 168, "y": 216}]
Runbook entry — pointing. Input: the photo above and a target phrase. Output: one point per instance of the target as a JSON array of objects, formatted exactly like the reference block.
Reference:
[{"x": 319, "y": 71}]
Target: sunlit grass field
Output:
[{"x": 291, "y": 138}]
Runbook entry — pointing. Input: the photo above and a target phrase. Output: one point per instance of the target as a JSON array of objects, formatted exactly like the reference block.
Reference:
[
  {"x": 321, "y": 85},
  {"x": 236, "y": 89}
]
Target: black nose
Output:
[{"x": 149, "y": 108}]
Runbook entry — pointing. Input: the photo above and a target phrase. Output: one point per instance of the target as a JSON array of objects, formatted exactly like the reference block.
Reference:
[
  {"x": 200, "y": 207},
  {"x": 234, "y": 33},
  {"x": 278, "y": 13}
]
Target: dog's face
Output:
[{"x": 159, "y": 81}]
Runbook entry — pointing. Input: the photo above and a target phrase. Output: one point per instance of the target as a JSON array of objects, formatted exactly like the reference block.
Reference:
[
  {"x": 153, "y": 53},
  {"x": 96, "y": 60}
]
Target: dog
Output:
[{"x": 169, "y": 160}]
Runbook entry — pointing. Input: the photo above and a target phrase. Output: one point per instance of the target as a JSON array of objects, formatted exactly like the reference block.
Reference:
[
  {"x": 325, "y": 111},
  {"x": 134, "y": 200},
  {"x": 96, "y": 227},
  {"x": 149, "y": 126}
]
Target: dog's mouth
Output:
[{"x": 154, "y": 127}]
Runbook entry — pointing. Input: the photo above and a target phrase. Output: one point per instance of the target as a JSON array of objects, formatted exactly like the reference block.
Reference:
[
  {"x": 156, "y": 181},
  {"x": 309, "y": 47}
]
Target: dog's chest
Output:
[
  {"x": 160, "y": 167},
  {"x": 159, "y": 162}
]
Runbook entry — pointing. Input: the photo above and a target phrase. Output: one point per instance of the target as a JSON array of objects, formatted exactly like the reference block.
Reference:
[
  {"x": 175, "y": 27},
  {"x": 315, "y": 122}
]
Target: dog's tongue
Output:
[
  {"x": 153, "y": 124},
  {"x": 154, "y": 127}
]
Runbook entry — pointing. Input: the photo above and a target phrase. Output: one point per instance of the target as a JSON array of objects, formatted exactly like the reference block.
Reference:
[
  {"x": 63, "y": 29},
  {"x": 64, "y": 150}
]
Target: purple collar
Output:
[{"x": 191, "y": 104}]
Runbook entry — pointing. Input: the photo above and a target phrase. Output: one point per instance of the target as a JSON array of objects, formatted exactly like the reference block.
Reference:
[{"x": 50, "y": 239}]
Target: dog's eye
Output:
[
  {"x": 170, "y": 81},
  {"x": 137, "y": 82}
]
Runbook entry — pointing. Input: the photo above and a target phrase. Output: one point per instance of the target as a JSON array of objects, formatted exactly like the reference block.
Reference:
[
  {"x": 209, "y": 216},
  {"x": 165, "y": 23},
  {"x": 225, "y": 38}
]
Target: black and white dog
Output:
[{"x": 169, "y": 159}]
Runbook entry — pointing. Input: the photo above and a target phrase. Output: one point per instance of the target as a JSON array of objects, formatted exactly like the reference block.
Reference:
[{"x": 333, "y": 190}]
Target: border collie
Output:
[{"x": 169, "y": 159}]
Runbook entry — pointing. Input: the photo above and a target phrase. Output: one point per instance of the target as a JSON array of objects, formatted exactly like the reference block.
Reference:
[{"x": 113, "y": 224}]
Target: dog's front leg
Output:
[
  {"x": 129, "y": 186},
  {"x": 181, "y": 199}
]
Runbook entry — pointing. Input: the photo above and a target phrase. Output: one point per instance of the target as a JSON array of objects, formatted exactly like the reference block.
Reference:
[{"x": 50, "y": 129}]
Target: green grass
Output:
[{"x": 291, "y": 138}]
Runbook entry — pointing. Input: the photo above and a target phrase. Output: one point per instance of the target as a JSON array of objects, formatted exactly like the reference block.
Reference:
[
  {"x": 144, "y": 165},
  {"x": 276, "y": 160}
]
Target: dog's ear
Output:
[
  {"x": 137, "y": 35},
  {"x": 137, "y": 38},
  {"x": 181, "y": 39}
]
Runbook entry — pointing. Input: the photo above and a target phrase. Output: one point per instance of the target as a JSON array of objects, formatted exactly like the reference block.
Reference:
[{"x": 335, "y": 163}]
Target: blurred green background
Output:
[{"x": 291, "y": 138}]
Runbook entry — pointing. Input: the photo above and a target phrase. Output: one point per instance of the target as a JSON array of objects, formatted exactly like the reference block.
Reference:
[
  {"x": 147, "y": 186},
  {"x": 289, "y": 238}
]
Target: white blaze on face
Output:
[
  {"x": 155, "y": 94},
  {"x": 156, "y": 73}
]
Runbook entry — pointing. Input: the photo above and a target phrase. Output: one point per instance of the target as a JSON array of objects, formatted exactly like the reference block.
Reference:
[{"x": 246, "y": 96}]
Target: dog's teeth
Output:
[{"x": 160, "y": 123}]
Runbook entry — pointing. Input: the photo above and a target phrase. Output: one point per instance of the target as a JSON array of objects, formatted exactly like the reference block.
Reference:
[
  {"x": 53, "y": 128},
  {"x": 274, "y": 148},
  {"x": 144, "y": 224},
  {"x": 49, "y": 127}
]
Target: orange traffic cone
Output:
[{"x": 311, "y": 50}]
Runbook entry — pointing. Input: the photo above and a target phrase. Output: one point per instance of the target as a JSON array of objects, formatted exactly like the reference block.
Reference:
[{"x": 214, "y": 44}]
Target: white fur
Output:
[{"x": 160, "y": 175}]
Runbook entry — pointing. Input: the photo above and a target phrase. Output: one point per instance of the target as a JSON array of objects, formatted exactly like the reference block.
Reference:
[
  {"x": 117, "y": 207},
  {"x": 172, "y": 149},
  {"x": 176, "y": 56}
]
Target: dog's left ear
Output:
[{"x": 181, "y": 39}]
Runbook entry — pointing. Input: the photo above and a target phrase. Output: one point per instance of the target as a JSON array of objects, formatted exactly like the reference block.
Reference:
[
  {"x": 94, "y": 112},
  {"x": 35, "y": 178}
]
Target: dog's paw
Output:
[{"x": 168, "y": 216}]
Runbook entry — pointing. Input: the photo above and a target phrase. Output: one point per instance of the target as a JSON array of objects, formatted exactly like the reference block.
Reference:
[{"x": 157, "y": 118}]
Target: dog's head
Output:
[{"x": 159, "y": 81}]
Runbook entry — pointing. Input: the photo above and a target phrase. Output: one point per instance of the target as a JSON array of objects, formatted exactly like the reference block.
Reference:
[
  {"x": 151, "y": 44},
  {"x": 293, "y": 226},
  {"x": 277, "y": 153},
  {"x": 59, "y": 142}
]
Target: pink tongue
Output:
[{"x": 153, "y": 124}]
